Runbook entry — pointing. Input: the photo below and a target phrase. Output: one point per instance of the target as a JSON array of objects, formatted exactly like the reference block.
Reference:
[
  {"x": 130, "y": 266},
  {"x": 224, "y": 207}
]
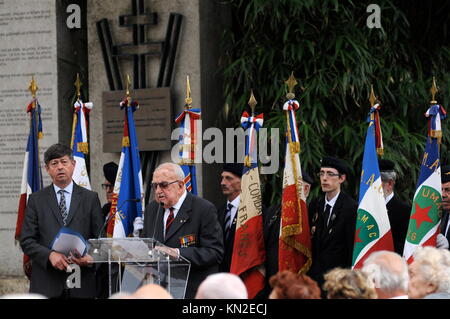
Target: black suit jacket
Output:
[
  {"x": 398, "y": 213},
  {"x": 196, "y": 217},
  {"x": 225, "y": 265},
  {"x": 332, "y": 245},
  {"x": 42, "y": 222},
  {"x": 444, "y": 221}
]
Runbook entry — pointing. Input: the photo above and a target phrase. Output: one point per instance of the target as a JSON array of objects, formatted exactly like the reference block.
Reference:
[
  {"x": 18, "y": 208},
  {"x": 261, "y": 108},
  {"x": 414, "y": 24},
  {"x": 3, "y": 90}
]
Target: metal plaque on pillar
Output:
[{"x": 153, "y": 119}]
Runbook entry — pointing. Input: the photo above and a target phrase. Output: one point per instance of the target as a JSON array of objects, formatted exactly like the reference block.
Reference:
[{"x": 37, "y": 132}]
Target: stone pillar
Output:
[
  {"x": 197, "y": 56},
  {"x": 35, "y": 41}
]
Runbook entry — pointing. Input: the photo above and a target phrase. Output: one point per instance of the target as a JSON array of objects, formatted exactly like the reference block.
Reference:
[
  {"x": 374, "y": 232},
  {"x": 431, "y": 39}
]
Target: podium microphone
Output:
[
  {"x": 161, "y": 205},
  {"x": 134, "y": 200}
]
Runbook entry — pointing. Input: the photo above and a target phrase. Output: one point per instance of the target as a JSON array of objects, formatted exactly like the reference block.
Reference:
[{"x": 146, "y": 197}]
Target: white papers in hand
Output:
[{"x": 68, "y": 240}]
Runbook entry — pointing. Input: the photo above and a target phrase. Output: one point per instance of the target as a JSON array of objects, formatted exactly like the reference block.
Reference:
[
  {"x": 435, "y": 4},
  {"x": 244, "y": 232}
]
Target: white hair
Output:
[
  {"x": 388, "y": 175},
  {"x": 434, "y": 266},
  {"x": 23, "y": 296},
  {"x": 174, "y": 168},
  {"x": 120, "y": 295},
  {"x": 388, "y": 270},
  {"x": 222, "y": 286}
]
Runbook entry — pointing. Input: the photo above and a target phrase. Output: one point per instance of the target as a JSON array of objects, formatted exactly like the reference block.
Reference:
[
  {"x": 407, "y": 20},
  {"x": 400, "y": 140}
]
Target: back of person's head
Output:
[
  {"x": 121, "y": 295},
  {"x": 23, "y": 296},
  {"x": 434, "y": 267},
  {"x": 389, "y": 272},
  {"x": 222, "y": 286},
  {"x": 151, "y": 291},
  {"x": 57, "y": 151},
  {"x": 289, "y": 285},
  {"x": 348, "y": 284}
]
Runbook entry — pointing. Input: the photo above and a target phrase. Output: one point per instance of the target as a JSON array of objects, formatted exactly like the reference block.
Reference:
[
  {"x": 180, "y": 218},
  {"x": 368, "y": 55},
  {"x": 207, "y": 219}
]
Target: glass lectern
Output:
[{"x": 145, "y": 261}]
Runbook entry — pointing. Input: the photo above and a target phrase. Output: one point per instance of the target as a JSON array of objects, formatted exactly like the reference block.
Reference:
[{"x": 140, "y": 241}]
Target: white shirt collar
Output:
[
  {"x": 178, "y": 205},
  {"x": 332, "y": 201},
  {"x": 68, "y": 189},
  {"x": 235, "y": 202},
  {"x": 388, "y": 198}
]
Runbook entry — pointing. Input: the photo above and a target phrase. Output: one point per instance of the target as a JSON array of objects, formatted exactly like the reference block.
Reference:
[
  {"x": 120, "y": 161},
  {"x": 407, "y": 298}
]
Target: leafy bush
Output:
[{"x": 335, "y": 58}]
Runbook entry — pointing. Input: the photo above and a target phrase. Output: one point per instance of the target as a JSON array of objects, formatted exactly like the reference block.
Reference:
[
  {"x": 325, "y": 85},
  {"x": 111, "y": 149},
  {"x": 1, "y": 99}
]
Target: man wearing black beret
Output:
[
  {"x": 110, "y": 172},
  {"x": 397, "y": 210},
  {"x": 230, "y": 185},
  {"x": 332, "y": 221},
  {"x": 445, "y": 221}
]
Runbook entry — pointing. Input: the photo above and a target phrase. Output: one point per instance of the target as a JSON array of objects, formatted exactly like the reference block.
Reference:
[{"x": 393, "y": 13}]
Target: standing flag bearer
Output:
[
  {"x": 249, "y": 254},
  {"x": 31, "y": 174},
  {"x": 128, "y": 191},
  {"x": 295, "y": 240},
  {"x": 373, "y": 231},
  {"x": 424, "y": 222},
  {"x": 188, "y": 139},
  {"x": 79, "y": 141}
]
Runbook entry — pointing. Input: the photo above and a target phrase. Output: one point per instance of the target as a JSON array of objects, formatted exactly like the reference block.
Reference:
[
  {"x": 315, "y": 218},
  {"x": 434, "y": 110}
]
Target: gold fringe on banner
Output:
[
  {"x": 40, "y": 135},
  {"x": 380, "y": 151},
  {"x": 247, "y": 161},
  {"x": 436, "y": 134},
  {"x": 295, "y": 147},
  {"x": 125, "y": 141},
  {"x": 83, "y": 147}
]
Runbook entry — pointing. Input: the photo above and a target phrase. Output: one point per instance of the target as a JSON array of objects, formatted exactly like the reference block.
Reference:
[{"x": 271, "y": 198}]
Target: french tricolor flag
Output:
[{"x": 31, "y": 175}]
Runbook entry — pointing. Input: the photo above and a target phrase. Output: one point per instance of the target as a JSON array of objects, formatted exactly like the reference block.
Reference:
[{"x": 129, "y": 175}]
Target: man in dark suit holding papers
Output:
[{"x": 62, "y": 204}]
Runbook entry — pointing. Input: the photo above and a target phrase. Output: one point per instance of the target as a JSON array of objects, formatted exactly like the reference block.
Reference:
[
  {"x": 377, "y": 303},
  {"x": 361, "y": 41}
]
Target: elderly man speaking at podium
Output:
[{"x": 186, "y": 223}]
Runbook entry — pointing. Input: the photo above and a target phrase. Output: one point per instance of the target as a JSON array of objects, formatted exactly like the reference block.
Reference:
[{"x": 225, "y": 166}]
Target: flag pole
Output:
[
  {"x": 78, "y": 85},
  {"x": 294, "y": 146},
  {"x": 252, "y": 103}
]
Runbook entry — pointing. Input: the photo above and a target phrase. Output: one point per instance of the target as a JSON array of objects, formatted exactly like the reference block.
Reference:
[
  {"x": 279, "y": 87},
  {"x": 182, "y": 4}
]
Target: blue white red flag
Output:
[
  {"x": 31, "y": 173},
  {"x": 79, "y": 144},
  {"x": 128, "y": 196},
  {"x": 249, "y": 253},
  {"x": 188, "y": 138}
]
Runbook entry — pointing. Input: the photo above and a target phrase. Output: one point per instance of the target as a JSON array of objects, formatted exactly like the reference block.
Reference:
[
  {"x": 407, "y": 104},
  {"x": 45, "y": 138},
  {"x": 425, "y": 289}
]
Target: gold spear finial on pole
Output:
[
  {"x": 372, "y": 97},
  {"x": 33, "y": 87},
  {"x": 291, "y": 83},
  {"x": 252, "y": 102},
  {"x": 78, "y": 85},
  {"x": 188, "y": 99},
  {"x": 128, "y": 86},
  {"x": 433, "y": 91}
]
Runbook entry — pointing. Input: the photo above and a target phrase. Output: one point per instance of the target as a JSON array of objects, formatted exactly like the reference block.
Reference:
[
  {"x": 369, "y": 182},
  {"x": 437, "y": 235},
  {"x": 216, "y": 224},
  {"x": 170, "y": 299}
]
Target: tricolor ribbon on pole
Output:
[
  {"x": 31, "y": 173},
  {"x": 188, "y": 140},
  {"x": 252, "y": 124},
  {"x": 249, "y": 253},
  {"x": 376, "y": 121},
  {"x": 128, "y": 195},
  {"x": 294, "y": 251},
  {"x": 425, "y": 219}
]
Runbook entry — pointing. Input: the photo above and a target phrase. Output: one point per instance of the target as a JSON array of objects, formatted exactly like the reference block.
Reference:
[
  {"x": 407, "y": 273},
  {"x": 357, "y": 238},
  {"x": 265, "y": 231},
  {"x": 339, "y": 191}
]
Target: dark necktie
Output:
[
  {"x": 62, "y": 206},
  {"x": 327, "y": 214},
  {"x": 169, "y": 220},
  {"x": 227, "y": 221}
]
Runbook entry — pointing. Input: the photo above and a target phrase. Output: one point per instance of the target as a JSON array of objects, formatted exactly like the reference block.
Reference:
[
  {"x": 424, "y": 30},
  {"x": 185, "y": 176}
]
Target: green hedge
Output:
[{"x": 335, "y": 58}]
